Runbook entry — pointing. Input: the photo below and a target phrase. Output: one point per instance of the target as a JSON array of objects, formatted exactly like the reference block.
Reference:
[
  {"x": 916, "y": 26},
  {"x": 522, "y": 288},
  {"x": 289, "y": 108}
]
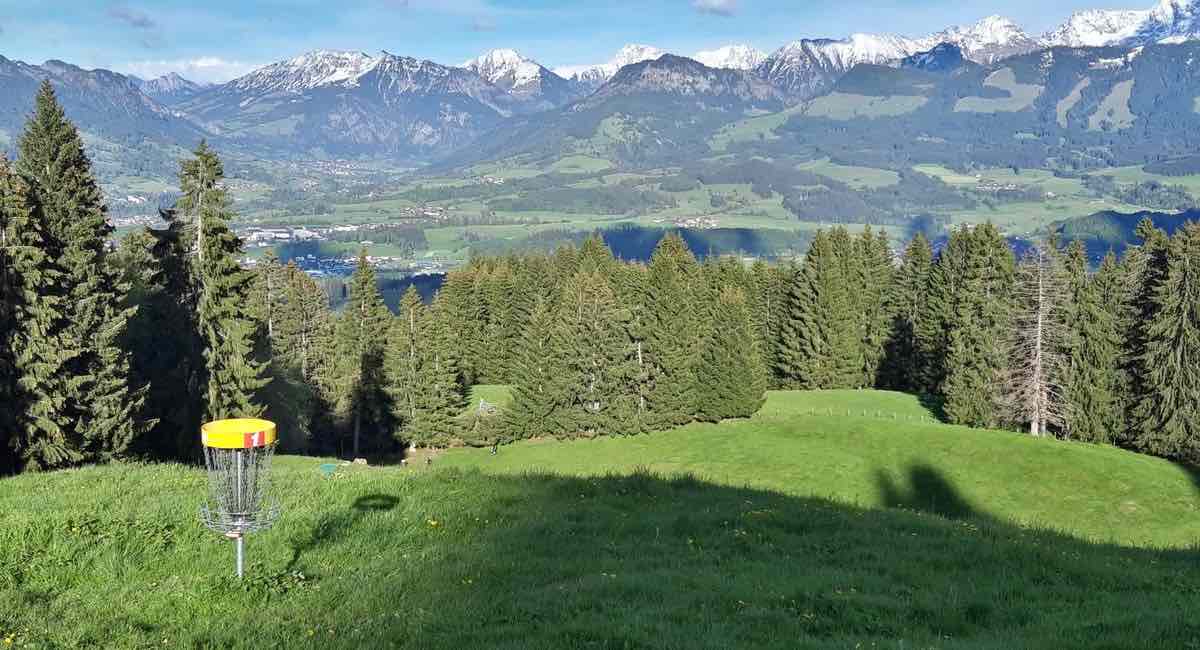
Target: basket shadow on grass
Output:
[
  {"x": 331, "y": 527},
  {"x": 640, "y": 561}
]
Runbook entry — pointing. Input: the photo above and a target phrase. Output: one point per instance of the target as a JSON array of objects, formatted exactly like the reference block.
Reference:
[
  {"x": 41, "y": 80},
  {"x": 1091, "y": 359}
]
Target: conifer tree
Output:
[
  {"x": 1092, "y": 383},
  {"x": 361, "y": 332},
  {"x": 539, "y": 392},
  {"x": 731, "y": 375},
  {"x": 34, "y": 427},
  {"x": 905, "y": 361},
  {"x": 977, "y": 308},
  {"x": 875, "y": 310},
  {"x": 442, "y": 399},
  {"x": 234, "y": 375},
  {"x": 1041, "y": 309},
  {"x": 1144, "y": 269},
  {"x": 462, "y": 308},
  {"x": 97, "y": 397},
  {"x": 673, "y": 283},
  {"x": 597, "y": 362},
  {"x": 404, "y": 364},
  {"x": 820, "y": 341},
  {"x": 1169, "y": 408},
  {"x": 630, "y": 284}
]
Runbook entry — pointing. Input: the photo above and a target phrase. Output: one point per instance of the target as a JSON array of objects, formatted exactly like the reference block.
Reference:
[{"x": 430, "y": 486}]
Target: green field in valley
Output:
[{"x": 829, "y": 520}]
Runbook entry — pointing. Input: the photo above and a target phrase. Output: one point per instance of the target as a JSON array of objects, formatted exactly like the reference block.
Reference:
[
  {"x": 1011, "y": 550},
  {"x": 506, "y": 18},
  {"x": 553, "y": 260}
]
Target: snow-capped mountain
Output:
[
  {"x": 170, "y": 89},
  {"x": 1096, "y": 28},
  {"x": 352, "y": 103},
  {"x": 590, "y": 77},
  {"x": 307, "y": 71},
  {"x": 526, "y": 80},
  {"x": 734, "y": 57},
  {"x": 1170, "y": 21},
  {"x": 805, "y": 68},
  {"x": 988, "y": 40}
]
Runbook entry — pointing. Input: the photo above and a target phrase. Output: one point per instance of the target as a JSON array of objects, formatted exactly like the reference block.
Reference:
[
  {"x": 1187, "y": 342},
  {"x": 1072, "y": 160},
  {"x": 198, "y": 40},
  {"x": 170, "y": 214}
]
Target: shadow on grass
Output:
[
  {"x": 641, "y": 561},
  {"x": 927, "y": 491},
  {"x": 333, "y": 526}
]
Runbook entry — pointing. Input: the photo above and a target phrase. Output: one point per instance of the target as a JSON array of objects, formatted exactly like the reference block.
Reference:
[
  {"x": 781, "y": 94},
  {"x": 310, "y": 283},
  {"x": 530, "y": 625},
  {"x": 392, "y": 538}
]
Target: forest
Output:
[{"x": 122, "y": 353}]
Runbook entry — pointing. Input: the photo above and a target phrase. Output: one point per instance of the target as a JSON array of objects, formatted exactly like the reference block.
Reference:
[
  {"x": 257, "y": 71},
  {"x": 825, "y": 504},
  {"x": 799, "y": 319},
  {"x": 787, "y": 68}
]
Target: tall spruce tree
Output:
[
  {"x": 1169, "y": 408},
  {"x": 820, "y": 338},
  {"x": 34, "y": 427},
  {"x": 442, "y": 399},
  {"x": 905, "y": 360},
  {"x": 673, "y": 284},
  {"x": 1144, "y": 269},
  {"x": 875, "y": 310},
  {"x": 361, "y": 332},
  {"x": 1093, "y": 383},
  {"x": 100, "y": 404},
  {"x": 539, "y": 391},
  {"x": 234, "y": 373},
  {"x": 598, "y": 364},
  {"x": 732, "y": 378},
  {"x": 975, "y": 296}
]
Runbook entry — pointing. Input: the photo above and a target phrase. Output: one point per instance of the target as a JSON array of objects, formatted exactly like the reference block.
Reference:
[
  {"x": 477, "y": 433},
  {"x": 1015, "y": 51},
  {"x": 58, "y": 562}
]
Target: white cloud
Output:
[
  {"x": 717, "y": 7},
  {"x": 206, "y": 69}
]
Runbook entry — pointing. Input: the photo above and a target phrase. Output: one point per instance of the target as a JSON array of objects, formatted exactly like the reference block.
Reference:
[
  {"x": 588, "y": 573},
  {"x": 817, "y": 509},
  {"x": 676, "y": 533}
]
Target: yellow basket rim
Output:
[{"x": 238, "y": 433}]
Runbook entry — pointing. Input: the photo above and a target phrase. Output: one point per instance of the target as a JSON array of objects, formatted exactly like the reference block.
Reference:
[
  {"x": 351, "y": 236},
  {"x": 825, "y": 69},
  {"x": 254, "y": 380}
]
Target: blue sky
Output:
[{"x": 215, "y": 40}]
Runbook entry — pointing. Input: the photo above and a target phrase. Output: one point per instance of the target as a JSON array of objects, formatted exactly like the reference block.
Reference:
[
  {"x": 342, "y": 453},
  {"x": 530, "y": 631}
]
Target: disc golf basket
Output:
[{"x": 237, "y": 454}]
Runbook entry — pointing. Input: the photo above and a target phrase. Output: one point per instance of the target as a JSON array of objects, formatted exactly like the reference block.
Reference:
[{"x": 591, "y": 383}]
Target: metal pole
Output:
[
  {"x": 241, "y": 541},
  {"x": 241, "y": 509}
]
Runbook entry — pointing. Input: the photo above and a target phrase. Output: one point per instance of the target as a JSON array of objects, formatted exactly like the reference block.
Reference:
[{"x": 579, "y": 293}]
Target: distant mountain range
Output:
[{"x": 331, "y": 104}]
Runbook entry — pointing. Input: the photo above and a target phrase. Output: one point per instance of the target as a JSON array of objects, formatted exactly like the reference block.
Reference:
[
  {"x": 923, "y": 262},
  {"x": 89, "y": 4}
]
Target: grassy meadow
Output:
[{"x": 802, "y": 527}]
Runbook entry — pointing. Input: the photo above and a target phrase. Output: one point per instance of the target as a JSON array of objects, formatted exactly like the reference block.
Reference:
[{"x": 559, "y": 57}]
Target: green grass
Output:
[
  {"x": 456, "y": 557},
  {"x": 844, "y": 106},
  {"x": 778, "y": 538},
  {"x": 856, "y": 177},
  {"x": 1021, "y": 96},
  {"x": 1114, "y": 110},
  {"x": 873, "y": 439}
]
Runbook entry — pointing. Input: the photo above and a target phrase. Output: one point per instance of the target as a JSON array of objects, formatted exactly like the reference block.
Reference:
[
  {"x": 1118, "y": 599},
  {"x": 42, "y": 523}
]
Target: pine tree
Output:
[
  {"x": 461, "y": 307},
  {"x": 874, "y": 288},
  {"x": 1093, "y": 383},
  {"x": 1169, "y": 408},
  {"x": 97, "y": 397},
  {"x": 1144, "y": 269},
  {"x": 34, "y": 427},
  {"x": 404, "y": 365},
  {"x": 731, "y": 375},
  {"x": 977, "y": 316},
  {"x": 905, "y": 362},
  {"x": 597, "y": 360},
  {"x": 820, "y": 338},
  {"x": 673, "y": 283},
  {"x": 361, "y": 331},
  {"x": 230, "y": 333},
  {"x": 630, "y": 284},
  {"x": 539, "y": 393},
  {"x": 442, "y": 399}
]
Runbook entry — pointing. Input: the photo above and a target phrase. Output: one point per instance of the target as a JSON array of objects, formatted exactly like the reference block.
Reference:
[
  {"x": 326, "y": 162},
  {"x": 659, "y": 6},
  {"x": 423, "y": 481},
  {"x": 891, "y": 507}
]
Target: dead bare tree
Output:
[{"x": 1035, "y": 392}]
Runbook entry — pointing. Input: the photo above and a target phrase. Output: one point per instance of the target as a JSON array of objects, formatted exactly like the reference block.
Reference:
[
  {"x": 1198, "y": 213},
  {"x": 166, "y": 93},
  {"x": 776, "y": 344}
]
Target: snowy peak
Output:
[
  {"x": 505, "y": 68},
  {"x": 307, "y": 71},
  {"x": 1170, "y": 21},
  {"x": 988, "y": 40},
  {"x": 591, "y": 77},
  {"x": 733, "y": 57},
  {"x": 1097, "y": 28}
]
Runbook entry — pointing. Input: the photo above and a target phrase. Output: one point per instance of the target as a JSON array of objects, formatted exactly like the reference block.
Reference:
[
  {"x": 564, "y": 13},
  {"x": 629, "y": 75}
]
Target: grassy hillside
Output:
[
  {"x": 889, "y": 452},
  {"x": 458, "y": 558}
]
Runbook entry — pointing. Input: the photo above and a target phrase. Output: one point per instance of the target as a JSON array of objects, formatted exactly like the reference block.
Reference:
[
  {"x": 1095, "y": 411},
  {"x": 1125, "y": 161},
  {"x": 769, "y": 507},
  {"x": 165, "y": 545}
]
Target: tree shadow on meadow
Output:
[{"x": 641, "y": 561}]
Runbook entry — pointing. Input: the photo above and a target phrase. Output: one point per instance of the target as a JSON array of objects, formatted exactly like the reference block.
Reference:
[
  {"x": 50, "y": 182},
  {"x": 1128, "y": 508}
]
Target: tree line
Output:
[{"x": 123, "y": 353}]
